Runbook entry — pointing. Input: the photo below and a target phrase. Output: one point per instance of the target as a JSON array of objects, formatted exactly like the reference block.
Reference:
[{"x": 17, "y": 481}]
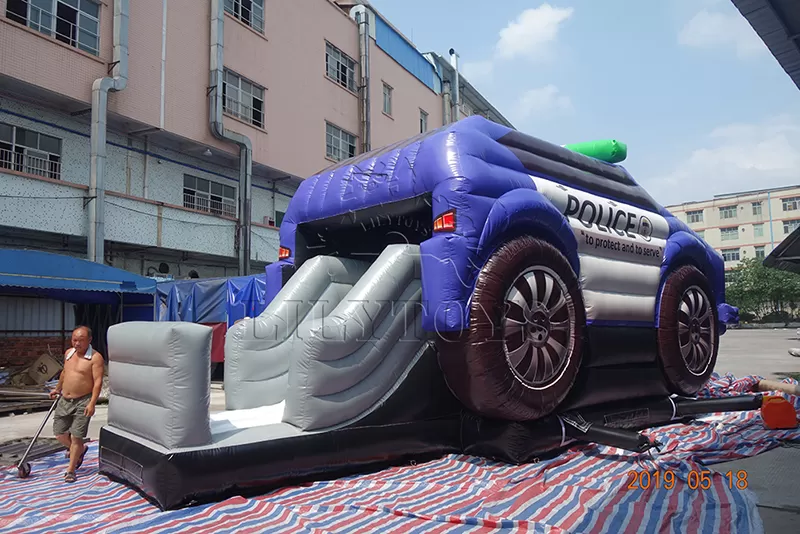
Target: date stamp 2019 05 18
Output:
[{"x": 695, "y": 480}]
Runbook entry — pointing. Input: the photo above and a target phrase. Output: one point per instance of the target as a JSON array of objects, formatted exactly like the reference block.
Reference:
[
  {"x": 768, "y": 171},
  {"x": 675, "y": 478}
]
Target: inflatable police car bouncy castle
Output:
[{"x": 472, "y": 289}]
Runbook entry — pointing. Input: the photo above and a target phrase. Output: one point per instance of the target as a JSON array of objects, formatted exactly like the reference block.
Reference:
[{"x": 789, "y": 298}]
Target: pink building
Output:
[{"x": 195, "y": 91}]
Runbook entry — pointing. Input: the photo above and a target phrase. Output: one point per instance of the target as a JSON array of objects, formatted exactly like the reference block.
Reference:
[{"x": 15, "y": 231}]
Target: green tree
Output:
[{"x": 763, "y": 292}]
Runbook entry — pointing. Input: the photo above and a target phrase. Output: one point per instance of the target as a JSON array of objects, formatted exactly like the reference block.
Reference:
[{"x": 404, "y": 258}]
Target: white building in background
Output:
[{"x": 746, "y": 224}]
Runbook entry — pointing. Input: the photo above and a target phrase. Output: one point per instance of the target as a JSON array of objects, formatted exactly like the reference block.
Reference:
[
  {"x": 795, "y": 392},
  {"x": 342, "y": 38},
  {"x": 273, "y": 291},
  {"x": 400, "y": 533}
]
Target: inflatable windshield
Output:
[{"x": 472, "y": 289}]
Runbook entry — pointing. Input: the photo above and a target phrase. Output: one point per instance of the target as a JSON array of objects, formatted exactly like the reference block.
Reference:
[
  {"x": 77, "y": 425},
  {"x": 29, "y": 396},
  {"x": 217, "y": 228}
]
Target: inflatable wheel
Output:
[
  {"x": 522, "y": 351},
  {"x": 688, "y": 338}
]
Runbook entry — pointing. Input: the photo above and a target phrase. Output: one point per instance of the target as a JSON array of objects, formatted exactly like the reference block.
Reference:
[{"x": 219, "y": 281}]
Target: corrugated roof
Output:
[
  {"x": 777, "y": 23},
  {"x": 46, "y": 273}
]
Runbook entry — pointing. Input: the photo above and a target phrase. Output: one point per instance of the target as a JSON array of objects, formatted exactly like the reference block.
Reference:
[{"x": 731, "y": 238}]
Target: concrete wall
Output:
[{"x": 158, "y": 221}]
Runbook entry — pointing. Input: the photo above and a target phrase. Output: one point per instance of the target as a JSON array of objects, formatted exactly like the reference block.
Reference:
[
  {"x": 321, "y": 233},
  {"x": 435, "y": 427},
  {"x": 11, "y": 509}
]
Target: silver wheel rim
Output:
[
  {"x": 696, "y": 330},
  {"x": 538, "y": 324}
]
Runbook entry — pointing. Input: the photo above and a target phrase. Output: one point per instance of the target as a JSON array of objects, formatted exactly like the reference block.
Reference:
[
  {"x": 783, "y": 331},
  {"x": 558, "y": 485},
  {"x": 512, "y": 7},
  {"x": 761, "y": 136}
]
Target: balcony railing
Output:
[
  {"x": 209, "y": 205},
  {"x": 30, "y": 164}
]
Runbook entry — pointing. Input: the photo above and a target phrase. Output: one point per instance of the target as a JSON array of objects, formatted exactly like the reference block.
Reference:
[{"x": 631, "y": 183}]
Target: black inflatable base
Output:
[{"x": 175, "y": 479}]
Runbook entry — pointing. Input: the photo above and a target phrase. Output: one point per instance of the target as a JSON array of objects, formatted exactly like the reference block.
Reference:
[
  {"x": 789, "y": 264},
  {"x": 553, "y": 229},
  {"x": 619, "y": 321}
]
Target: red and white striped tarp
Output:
[{"x": 585, "y": 489}]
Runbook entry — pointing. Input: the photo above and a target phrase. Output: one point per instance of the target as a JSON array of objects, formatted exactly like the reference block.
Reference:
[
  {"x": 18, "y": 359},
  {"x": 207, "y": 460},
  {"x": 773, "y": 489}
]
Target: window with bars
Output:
[
  {"x": 791, "y": 203},
  {"x": 242, "y": 98},
  {"x": 340, "y": 67},
  {"x": 339, "y": 144},
  {"x": 761, "y": 252},
  {"x": 758, "y": 230},
  {"x": 387, "y": 98},
  {"x": 74, "y": 22},
  {"x": 694, "y": 216},
  {"x": 211, "y": 197},
  {"x": 730, "y": 254},
  {"x": 730, "y": 276},
  {"x": 729, "y": 234},
  {"x": 790, "y": 226},
  {"x": 31, "y": 152},
  {"x": 251, "y": 12},
  {"x": 727, "y": 212},
  {"x": 423, "y": 121},
  {"x": 756, "y": 208}
]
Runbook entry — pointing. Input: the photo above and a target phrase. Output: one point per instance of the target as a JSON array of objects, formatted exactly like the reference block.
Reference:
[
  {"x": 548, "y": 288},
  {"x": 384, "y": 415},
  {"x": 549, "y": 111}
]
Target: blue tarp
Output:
[
  {"x": 212, "y": 300},
  {"x": 70, "y": 279}
]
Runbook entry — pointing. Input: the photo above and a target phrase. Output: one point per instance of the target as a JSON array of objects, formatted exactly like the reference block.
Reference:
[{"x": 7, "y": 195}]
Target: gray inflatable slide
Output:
[{"x": 336, "y": 374}]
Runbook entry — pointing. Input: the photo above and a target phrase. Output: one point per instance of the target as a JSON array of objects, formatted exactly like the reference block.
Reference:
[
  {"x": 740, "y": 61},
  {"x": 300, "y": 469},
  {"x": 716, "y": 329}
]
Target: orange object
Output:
[{"x": 777, "y": 413}]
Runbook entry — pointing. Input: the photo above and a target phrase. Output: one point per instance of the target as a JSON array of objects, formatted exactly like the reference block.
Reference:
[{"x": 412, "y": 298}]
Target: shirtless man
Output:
[{"x": 79, "y": 386}]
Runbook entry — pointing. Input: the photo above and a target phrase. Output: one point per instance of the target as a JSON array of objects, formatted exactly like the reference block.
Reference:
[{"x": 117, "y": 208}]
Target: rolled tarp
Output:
[{"x": 608, "y": 150}]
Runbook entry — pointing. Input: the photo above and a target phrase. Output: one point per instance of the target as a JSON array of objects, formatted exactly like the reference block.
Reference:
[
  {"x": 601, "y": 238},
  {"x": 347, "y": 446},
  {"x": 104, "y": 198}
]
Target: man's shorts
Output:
[{"x": 68, "y": 416}]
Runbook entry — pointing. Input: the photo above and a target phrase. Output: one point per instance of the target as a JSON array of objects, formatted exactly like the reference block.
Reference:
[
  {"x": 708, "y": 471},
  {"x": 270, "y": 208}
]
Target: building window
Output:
[
  {"x": 727, "y": 212},
  {"x": 204, "y": 195},
  {"x": 339, "y": 145},
  {"x": 694, "y": 216},
  {"x": 74, "y": 22},
  {"x": 701, "y": 234},
  {"x": 758, "y": 230},
  {"x": 279, "y": 215},
  {"x": 30, "y": 152},
  {"x": 790, "y": 226},
  {"x": 251, "y": 12},
  {"x": 729, "y": 234},
  {"x": 730, "y": 254},
  {"x": 761, "y": 253},
  {"x": 243, "y": 99},
  {"x": 340, "y": 67},
  {"x": 423, "y": 121},
  {"x": 730, "y": 276},
  {"x": 387, "y": 99},
  {"x": 791, "y": 203},
  {"x": 757, "y": 208}
]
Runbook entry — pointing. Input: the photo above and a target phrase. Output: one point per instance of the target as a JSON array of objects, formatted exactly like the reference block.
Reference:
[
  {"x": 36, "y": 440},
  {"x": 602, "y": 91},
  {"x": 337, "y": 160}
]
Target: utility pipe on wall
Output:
[
  {"x": 362, "y": 18},
  {"x": 97, "y": 172},
  {"x": 217, "y": 62},
  {"x": 456, "y": 85}
]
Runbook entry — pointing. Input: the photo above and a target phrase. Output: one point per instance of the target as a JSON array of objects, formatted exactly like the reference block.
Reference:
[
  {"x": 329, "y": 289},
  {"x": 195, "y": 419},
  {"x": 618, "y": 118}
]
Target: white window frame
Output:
[
  {"x": 388, "y": 91},
  {"x": 243, "y": 104},
  {"x": 790, "y": 203},
  {"x": 757, "y": 209},
  {"x": 790, "y": 226},
  {"x": 42, "y": 16},
  {"x": 728, "y": 212},
  {"x": 423, "y": 121},
  {"x": 252, "y": 16},
  {"x": 729, "y": 234},
  {"x": 28, "y": 159},
  {"x": 694, "y": 216},
  {"x": 196, "y": 199},
  {"x": 760, "y": 252},
  {"x": 337, "y": 63},
  {"x": 337, "y": 140},
  {"x": 758, "y": 230},
  {"x": 728, "y": 253}
]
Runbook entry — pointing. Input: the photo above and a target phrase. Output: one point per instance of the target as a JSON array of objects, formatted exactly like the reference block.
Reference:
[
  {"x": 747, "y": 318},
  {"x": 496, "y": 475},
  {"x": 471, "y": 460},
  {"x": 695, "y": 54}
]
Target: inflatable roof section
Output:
[{"x": 450, "y": 162}]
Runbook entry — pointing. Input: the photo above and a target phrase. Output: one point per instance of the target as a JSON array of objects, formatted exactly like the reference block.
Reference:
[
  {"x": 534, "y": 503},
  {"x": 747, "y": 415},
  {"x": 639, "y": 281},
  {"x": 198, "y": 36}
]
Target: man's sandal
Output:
[{"x": 70, "y": 477}]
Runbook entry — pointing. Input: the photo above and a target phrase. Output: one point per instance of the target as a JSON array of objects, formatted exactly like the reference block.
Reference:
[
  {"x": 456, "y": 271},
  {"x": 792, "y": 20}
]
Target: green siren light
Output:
[{"x": 608, "y": 150}]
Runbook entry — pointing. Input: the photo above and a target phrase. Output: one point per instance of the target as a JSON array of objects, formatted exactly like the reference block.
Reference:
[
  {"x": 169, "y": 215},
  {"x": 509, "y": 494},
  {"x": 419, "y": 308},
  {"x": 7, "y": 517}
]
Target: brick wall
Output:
[{"x": 21, "y": 351}]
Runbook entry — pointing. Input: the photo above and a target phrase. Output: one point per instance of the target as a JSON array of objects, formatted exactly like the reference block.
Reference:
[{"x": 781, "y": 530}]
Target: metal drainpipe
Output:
[
  {"x": 447, "y": 103},
  {"x": 217, "y": 63},
  {"x": 362, "y": 18},
  {"x": 456, "y": 84},
  {"x": 97, "y": 172}
]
